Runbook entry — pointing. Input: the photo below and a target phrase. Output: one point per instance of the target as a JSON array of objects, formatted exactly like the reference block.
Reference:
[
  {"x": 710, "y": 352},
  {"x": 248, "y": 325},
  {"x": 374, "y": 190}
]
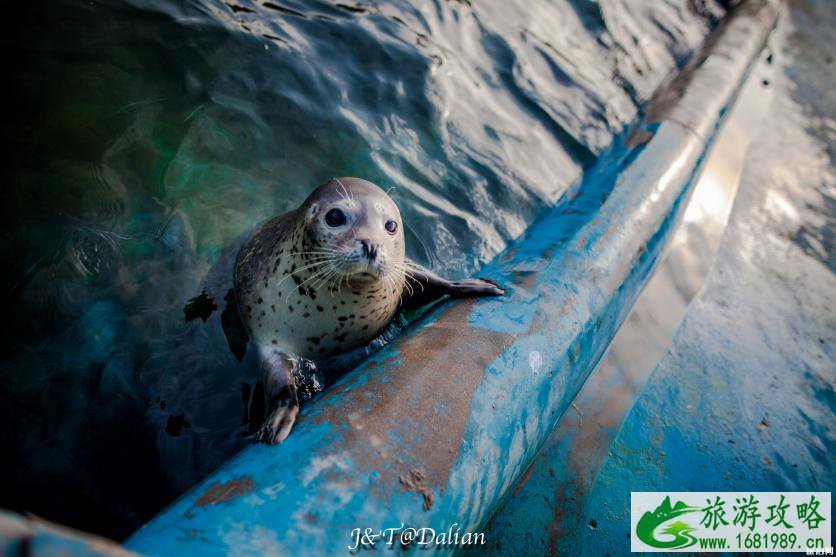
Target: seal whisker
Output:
[
  {"x": 332, "y": 281},
  {"x": 317, "y": 274},
  {"x": 321, "y": 257},
  {"x": 332, "y": 271},
  {"x": 410, "y": 265},
  {"x": 349, "y": 196},
  {"x": 326, "y": 282},
  {"x": 329, "y": 273},
  {"x": 316, "y": 258},
  {"x": 315, "y": 266},
  {"x": 338, "y": 191},
  {"x": 290, "y": 274},
  {"x": 320, "y": 251},
  {"x": 406, "y": 285},
  {"x": 411, "y": 277},
  {"x": 408, "y": 275},
  {"x": 401, "y": 273}
]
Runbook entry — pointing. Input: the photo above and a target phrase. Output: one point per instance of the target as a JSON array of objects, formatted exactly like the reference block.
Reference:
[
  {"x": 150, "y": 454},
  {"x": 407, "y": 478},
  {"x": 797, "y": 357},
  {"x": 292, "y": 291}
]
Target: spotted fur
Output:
[
  {"x": 286, "y": 305},
  {"x": 313, "y": 287}
]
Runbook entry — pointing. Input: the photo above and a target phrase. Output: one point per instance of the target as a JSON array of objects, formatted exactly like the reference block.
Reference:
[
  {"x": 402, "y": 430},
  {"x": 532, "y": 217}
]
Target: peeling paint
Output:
[
  {"x": 414, "y": 480},
  {"x": 219, "y": 493}
]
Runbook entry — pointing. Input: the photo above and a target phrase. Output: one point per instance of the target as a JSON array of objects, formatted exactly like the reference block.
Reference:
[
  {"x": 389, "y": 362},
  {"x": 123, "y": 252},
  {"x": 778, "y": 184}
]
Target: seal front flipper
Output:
[
  {"x": 282, "y": 399},
  {"x": 424, "y": 286}
]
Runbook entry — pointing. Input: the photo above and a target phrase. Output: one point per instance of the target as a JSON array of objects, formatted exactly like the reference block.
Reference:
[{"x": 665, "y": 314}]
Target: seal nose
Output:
[{"x": 369, "y": 251}]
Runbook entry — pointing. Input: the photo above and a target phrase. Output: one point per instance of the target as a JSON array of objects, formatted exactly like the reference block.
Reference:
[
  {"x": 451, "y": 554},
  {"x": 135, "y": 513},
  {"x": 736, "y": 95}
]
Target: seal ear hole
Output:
[{"x": 313, "y": 210}]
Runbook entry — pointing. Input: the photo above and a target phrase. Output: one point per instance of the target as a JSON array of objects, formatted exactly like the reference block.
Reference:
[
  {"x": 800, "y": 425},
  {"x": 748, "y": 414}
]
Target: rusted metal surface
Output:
[
  {"x": 469, "y": 396},
  {"x": 218, "y": 493}
]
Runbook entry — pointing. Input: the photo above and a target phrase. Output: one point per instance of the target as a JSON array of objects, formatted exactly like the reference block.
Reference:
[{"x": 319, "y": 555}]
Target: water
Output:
[{"x": 147, "y": 136}]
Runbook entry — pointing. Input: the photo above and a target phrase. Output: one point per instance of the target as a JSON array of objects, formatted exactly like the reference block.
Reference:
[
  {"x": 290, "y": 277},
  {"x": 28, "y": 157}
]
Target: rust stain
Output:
[
  {"x": 604, "y": 408},
  {"x": 554, "y": 530},
  {"x": 509, "y": 254},
  {"x": 221, "y": 492},
  {"x": 638, "y": 137},
  {"x": 399, "y": 407},
  {"x": 414, "y": 480},
  {"x": 526, "y": 475},
  {"x": 605, "y": 398},
  {"x": 525, "y": 279},
  {"x": 764, "y": 425}
]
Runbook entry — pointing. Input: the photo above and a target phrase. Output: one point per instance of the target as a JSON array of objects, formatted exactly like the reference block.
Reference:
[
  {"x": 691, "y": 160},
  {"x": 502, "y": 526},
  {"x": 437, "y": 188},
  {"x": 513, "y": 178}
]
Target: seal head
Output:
[
  {"x": 356, "y": 227},
  {"x": 327, "y": 277}
]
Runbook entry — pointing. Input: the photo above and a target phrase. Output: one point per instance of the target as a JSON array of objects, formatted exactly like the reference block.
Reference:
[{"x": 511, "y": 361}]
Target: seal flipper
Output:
[
  {"x": 426, "y": 286},
  {"x": 282, "y": 399}
]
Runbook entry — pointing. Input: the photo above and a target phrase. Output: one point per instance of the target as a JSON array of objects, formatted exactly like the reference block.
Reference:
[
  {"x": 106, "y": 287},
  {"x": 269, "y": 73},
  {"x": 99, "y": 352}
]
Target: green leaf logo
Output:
[{"x": 681, "y": 531}]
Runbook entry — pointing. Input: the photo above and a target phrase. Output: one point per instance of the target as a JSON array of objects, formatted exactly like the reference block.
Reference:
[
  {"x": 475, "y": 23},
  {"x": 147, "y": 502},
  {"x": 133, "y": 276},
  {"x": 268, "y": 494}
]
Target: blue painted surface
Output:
[
  {"x": 744, "y": 397},
  {"x": 542, "y": 516},
  {"x": 467, "y": 398}
]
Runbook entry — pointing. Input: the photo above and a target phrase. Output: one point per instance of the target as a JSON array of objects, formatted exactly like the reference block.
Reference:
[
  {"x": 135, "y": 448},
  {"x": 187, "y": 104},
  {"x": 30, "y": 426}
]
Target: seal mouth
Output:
[
  {"x": 365, "y": 270},
  {"x": 367, "y": 273}
]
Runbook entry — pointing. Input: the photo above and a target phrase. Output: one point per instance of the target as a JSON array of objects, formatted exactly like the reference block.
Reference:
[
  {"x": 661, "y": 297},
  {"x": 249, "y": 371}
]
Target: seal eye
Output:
[
  {"x": 391, "y": 226},
  {"x": 335, "y": 218}
]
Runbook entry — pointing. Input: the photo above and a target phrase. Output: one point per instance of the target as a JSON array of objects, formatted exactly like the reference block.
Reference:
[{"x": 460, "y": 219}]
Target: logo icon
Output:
[
  {"x": 729, "y": 521},
  {"x": 681, "y": 531}
]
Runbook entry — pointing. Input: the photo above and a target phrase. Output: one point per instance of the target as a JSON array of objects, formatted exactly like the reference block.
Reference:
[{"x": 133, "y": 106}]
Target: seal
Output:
[{"x": 327, "y": 278}]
